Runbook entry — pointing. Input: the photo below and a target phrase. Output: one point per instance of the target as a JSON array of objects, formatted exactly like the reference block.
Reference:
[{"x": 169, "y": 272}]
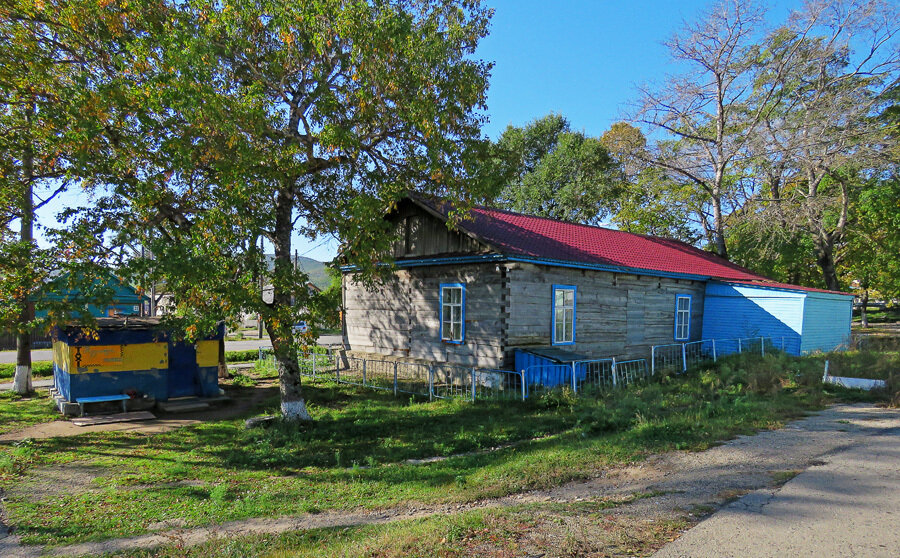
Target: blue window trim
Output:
[
  {"x": 462, "y": 327},
  {"x": 574, "y": 290},
  {"x": 688, "y": 336}
]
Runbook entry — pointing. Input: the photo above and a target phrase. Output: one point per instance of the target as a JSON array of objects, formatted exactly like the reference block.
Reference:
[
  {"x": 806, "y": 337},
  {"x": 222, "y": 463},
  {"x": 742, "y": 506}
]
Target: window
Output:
[
  {"x": 682, "y": 317},
  {"x": 563, "y": 314},
  {"x": 453, "y": 312}
]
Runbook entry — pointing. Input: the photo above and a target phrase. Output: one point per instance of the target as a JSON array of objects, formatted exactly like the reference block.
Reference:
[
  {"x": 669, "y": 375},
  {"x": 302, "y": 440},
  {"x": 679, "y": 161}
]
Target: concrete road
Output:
[
  {"x": 7, "y": 357},
  {"x": 848, "y": 506}
]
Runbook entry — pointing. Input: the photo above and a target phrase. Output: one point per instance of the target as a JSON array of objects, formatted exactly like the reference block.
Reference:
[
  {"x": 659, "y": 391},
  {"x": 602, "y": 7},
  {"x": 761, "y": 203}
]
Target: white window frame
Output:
[
  {"x": 447, "y": 314},
  {"x": 682, "y": 318},
  {"x": 566, "y": 312}
]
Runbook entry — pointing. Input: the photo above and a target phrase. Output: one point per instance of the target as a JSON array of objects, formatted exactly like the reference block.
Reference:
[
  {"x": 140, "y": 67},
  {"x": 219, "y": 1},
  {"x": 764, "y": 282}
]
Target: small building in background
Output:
[{"x": 134, "y": 356}]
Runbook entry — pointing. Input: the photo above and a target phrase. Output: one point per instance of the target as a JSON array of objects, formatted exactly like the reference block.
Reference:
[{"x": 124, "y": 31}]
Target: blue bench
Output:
[{"x": 102, "y": 399}]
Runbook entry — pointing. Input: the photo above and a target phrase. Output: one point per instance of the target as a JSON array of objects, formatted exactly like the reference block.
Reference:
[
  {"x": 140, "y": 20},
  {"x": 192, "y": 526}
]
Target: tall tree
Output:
[
  {"x": 262, "y": 119},
  {"x": 830, "y": 70},
  {"x": 701, "y": 112},
  {"x": 650, "y": 200},
  {"x": 49, "y": 77},
  {"x": 548, "y": 169}
]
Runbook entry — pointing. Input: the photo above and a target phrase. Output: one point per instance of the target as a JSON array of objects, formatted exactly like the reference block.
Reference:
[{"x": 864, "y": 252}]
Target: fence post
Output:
[
  {"x": 395, "y": 378},
  {"x": 574, "y": 383},
  {"x": 739, "y": 345},
  {"x": 782, "y": 343},
  {"x": 431, "y": 383},
  {"x": 762, "y": 346},
  {"x": 614, "y": 371},
  {"x": 714, "y": 350},
  {"x": 315, "y": 358},
  {"x": 826, "y": 371},
  {"x": 652, "y": 360},
  {"x": 473, "y": 384},
  {"x": 364, "y": 372},
  {"x": 259, "y": 350},
  {"x": 684, "y": 357},
  {"x": 523, "y": 384},
  {"x": 337, "y": 369}
]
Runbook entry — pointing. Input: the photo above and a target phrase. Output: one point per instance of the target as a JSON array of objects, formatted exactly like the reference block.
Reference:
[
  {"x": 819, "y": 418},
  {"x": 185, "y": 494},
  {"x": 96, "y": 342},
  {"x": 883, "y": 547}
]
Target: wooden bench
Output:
[{"x": 102, "y": 399}]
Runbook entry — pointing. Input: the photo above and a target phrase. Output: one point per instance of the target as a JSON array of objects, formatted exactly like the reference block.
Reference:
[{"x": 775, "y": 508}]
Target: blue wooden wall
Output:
[
  {"x": 826, "y": 322},
  {"x": 736, "y": 311}
]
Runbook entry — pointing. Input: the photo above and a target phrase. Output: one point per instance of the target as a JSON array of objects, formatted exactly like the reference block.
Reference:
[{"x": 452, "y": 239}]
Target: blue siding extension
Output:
[
  {"x": 826, "y": 322},
  {"x": 737, "y": 311}
]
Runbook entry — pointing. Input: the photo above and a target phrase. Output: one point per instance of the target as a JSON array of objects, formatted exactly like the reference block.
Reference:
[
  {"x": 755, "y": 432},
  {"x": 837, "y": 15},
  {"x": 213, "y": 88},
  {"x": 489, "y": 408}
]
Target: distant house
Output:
[
  {"x": 504, "y": 281},
  {"x": 125, "y": 299}
]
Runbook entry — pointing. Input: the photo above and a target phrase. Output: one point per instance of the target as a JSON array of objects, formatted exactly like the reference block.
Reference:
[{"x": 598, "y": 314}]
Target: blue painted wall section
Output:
[
  {"x": 738, "y": 311},
  {"x": 826, "y": 322}
]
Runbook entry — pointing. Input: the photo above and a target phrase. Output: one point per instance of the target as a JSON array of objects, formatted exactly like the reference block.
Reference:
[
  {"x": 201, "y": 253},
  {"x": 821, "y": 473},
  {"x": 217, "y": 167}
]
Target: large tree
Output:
[
  {"x": 545, "y": 168},
  {"x": 258, "y": 120},
  {"x": 52, "y": 60},
  {"x": 825, "y": 77}
]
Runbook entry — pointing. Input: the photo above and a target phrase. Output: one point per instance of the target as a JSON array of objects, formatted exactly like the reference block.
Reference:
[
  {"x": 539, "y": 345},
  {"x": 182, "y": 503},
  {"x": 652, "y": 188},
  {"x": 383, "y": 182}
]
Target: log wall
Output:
[{"x": 509, "y": 306}]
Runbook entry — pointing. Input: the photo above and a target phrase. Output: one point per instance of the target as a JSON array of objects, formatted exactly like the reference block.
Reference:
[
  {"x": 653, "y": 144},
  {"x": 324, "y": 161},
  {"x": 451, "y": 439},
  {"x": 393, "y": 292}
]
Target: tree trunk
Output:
[
  {"x": 863, "y": 316},
  {"x": 22, "y": 379},
  {"x": 719, "y": 224},
  {"x": 824, "y": 250},
  {"x": 293, "y": 406}
]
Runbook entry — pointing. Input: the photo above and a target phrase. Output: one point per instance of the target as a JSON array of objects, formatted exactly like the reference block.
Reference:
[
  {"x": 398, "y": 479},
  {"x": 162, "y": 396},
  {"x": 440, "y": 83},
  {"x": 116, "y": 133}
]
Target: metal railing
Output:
[
  {"x": 678, "y": 357},
  {"x": 452, "y": 381}
]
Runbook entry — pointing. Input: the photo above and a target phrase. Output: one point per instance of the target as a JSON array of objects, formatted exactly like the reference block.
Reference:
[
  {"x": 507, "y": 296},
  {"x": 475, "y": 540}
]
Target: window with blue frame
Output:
[
  {"x": 563, "y": 314},
  {"x": 682, "y": 317},
  {"x": 453, "y": 312}
]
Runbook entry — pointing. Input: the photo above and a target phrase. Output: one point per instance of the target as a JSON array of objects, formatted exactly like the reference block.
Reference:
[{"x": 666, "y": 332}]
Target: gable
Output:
[{"x": 420, "y": 233}]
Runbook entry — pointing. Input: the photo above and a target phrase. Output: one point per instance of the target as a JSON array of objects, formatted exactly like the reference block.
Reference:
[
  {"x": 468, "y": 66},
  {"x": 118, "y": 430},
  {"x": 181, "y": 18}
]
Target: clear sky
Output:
[{"x": 578, "y": 58}]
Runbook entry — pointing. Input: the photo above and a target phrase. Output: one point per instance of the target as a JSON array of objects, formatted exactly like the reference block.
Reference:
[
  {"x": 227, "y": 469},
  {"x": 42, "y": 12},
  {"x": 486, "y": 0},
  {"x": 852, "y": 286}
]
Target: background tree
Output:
[
  {"x": 701, "y": 113},
  {"x": 255, "y": 120},
  {"x": 650, "y": 201},
  {"x": 830, "y": 70},
  {"x": 52, "y": 56},
  {"x": 549, "y": 170}
]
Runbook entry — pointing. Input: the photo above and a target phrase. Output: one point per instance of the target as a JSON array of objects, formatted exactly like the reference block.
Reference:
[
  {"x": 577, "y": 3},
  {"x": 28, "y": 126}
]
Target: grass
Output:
[
  {"x": 879, "y": 316},
  {"x": 353, "y": 455},
  {"x": 38, "y": 368},
  {"x": 517, "y": 531},
  {"x": 19, "y": 412}
]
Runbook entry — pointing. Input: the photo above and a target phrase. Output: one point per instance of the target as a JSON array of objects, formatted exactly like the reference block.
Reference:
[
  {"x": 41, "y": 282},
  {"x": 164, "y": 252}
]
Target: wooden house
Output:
[{"x": 502, "y": 281}]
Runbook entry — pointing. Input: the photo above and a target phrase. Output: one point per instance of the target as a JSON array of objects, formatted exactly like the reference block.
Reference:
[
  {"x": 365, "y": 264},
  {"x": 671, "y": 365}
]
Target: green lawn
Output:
[
  {"x": 18, "y": 412},
  {"x": 352, "y": 455}
]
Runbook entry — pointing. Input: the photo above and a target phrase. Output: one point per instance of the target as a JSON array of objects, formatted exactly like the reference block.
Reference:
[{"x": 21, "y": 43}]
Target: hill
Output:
[{"x": 314, "y": 268}]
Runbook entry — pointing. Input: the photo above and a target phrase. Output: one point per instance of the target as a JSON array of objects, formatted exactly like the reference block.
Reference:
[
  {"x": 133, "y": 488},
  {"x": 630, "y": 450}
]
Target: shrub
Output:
[{"x": 241, "y": 356}]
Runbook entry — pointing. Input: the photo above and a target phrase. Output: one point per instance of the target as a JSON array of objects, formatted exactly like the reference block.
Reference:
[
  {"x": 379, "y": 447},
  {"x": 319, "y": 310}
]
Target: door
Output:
[{"x": 182, "y": 370}]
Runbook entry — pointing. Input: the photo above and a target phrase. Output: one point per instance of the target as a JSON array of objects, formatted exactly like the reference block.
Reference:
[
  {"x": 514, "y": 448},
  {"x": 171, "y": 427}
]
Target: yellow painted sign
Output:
[
  {"x": 208, "y": 353},
  {"x": 119, "y": 358}
]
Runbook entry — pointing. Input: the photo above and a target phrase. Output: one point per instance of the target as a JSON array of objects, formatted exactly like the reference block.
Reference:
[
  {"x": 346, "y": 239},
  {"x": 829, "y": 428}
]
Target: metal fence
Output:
[
  {"x": 451, "y": 381},
  {"x": 678, "y": 357}
]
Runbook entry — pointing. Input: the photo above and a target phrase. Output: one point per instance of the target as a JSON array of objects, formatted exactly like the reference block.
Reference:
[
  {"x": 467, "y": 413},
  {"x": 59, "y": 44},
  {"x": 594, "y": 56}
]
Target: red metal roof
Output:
[
  {"x": 515, "y": 234},
  {"x": 543, "y": 238}
]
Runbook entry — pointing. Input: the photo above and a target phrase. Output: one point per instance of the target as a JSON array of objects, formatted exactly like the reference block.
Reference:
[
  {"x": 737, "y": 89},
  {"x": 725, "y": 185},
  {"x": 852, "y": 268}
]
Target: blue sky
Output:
[{"x": 578, "y": 58}]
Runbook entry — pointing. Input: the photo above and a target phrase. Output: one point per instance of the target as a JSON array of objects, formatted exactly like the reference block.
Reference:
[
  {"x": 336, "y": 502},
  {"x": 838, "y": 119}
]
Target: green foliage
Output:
[
  {"x": 41, "y": 368},
  {"x": 549, "y": 170},
  {"x": 241, "y": 356}
]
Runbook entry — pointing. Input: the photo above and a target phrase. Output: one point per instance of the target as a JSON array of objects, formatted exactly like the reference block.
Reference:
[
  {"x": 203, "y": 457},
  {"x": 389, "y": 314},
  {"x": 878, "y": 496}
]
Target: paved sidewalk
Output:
[
  {"x": 34, "y": 383},
  {"x": 848, "y": 506}
]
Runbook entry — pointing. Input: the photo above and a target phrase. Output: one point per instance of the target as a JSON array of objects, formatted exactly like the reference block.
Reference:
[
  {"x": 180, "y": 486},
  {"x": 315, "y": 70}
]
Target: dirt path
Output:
[
  {"x": 678, "y": 482},
  {"x": 243, "y": 399}
]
